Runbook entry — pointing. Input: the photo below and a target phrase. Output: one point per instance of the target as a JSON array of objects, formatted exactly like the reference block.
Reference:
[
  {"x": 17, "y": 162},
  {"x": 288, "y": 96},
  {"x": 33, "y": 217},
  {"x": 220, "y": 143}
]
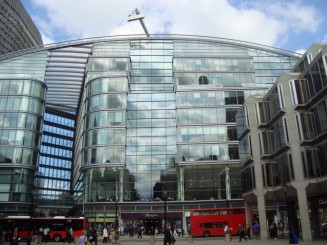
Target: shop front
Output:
[
  {"x": 150, "y": 223},
  {"x": 318, "y": 216}
]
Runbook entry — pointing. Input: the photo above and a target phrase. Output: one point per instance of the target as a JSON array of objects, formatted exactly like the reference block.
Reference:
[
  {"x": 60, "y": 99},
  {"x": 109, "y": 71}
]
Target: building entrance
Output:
[{"x": 152, "y": 226}]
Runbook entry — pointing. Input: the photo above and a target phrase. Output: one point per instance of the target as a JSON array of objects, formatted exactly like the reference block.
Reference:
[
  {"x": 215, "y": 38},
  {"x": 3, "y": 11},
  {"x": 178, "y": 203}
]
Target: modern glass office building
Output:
[
  {"x": 113, "y": 126},
  {"x": 17, "y": 30}
]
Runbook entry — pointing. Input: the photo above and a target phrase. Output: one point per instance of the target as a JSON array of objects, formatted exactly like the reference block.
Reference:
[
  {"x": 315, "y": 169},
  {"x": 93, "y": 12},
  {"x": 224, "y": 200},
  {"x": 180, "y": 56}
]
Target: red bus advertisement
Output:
[
  {"x": 56, "y": 226},
  {"x": 208, "y": 222}
]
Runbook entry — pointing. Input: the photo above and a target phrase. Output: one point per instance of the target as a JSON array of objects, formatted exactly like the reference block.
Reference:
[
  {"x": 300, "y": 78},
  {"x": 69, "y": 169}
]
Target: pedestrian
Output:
[
  {"x": 117, "y": 235},
  {"x": 241, "y": 232},
  {"x": 89, "y": 233},
  {"x": 227, "y": 231},
  {"x": 169, "y": 237},
  {"x": 82, "y": 239},
  {"x": 248, "y": 231},
  {"x": 46, "y": 234},
  {"x": 105, "y": 235},
  {"x": 189, "y": 231},
  {"x": 95, "y": 235},
  {"x": 15, "y": 238},
  {"x": 179, "y": 231},
  {"x": 71, "y": 234},
  {"x": 256, "y": 230},
  {"x": 280, "y": 232},
  {"x": 131, "y": 231},
  {"x": 273, "y": 230},
  {"x": 68, "y": 236},
  {"x": 139, "y": 232}
]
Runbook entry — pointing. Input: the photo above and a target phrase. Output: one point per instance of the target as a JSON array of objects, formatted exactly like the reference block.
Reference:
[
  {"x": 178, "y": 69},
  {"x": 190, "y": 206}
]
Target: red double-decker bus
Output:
[
  {"x": 208, "y": 222},
  {"x": 56, "y": 226}
]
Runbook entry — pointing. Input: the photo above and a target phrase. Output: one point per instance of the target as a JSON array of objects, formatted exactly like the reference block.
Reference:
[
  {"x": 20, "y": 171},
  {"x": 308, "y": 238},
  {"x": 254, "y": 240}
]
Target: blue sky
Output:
[{"x": 288, "y": 24}]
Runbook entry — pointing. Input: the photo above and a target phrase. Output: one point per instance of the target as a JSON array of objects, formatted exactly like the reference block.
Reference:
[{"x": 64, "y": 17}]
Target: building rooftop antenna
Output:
[{"x": 136, "y": 15}]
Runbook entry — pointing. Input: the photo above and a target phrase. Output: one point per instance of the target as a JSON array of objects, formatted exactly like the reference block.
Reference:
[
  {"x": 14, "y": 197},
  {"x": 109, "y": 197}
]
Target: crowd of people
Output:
[
  {"x": 276, "y": 231},
  {"x": 90, "y": 236},
  {"x": 244, "y": 232}
]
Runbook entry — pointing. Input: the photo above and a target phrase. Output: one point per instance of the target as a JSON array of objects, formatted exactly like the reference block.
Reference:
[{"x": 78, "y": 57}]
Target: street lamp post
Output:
[
  {"x": 164, "y": 197},
  {"x": 116, "y": 224},
  {"x": 30, "y": 233},
  {"x": 116, "y": 201}
]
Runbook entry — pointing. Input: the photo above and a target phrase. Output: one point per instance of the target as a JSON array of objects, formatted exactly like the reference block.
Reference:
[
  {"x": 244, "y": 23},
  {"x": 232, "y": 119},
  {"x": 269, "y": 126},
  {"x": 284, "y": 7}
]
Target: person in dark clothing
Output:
[
  {"x": 248, "y": 231},
  {"x": 131, "y": 231},
  {"x": 68, "y": 236},
  {"x": 169, "y": 236},
  {"x": 274, "y": 230},
  {"x": 139, "y": 232},
  {"x": 15, "y": 237},
  {"x": 89, "y": 233},
  {"x": 95, "y": 235},
  {"x": 241, "y": 232}
]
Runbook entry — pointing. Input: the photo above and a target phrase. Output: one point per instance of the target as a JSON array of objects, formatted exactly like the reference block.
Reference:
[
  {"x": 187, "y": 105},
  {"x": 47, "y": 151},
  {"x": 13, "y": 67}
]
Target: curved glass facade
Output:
[
  {"x": 104, "y": 133},
  {"x": 22, "y": 105}
]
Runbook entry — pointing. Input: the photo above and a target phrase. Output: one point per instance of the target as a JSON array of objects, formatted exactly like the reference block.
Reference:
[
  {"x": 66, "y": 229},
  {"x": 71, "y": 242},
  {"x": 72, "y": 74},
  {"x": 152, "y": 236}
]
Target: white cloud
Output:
[
  {"x": 295, "y": 16},
  {"x": 266, "y": 23},
  {"x": 46, "y": 39},
  {"x": 300, "y": 51}
]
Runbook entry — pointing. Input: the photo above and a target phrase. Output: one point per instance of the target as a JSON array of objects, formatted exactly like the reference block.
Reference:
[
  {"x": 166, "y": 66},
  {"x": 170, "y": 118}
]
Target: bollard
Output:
[
  {"x": 190, "y": 239},
  {"x": 152, "y": 239}
]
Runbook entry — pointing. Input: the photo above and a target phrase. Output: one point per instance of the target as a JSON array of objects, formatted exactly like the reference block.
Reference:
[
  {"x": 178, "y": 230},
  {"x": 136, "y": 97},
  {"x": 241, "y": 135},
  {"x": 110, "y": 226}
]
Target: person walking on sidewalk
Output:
[
  {"x": 105, "y": 235},
  {"x": 256, "y": 230},
  {"x": 82, "y": 239},
  {"x": 169, "y": 236},
  {"x": 227, "y": 231},
  {"x": 241, "y": 232},
  {"x": 248, "y": 231}
]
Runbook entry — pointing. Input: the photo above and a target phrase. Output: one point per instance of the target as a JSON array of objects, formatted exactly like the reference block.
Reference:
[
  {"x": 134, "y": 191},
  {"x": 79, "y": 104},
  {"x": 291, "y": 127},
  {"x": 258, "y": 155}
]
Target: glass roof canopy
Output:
[{"x": 65, "y": 73}]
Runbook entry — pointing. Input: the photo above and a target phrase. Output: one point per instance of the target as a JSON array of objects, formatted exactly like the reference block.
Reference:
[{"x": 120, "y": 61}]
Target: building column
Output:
[
  {"x": 248, "y": 214},
  {"x": 262, "y": 217},
  {"x": 304, "y": 214}
]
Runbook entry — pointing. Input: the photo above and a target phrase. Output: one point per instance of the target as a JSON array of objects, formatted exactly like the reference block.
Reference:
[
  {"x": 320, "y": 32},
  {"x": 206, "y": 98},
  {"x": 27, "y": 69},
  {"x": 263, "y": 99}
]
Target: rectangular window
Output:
[
  {"x": 309, "y": 58},
  {"x": 299, "y": 126},
  {"x": 281, "y": 96}
]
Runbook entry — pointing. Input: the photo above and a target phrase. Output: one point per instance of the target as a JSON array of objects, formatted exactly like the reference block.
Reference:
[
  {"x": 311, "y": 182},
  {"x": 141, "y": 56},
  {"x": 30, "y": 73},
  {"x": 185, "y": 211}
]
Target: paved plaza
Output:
[{"x": 126, "y": 240}]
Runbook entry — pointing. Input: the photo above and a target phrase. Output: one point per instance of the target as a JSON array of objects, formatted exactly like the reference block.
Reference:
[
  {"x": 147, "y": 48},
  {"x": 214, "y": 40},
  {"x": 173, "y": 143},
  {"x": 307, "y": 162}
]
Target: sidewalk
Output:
[{"x": 126, "y": 240}]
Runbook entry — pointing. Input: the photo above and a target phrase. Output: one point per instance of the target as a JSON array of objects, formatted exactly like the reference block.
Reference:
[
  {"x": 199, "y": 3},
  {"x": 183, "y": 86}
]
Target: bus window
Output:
[
  {"x": 237, "y": 211},
  {"x": 207, "y": 225}
]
